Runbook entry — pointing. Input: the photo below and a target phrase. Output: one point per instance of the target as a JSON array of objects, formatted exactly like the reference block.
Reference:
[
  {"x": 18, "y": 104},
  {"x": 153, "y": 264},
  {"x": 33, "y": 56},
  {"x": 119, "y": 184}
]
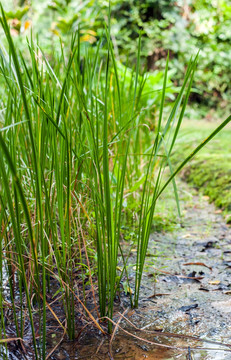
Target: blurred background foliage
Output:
[{"x": 181, "y": 27}]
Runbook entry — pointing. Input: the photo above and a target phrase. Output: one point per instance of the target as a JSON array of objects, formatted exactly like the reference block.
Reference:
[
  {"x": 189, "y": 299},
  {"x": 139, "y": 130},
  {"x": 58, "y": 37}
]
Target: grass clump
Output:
[{"x": 75, "y": 152}]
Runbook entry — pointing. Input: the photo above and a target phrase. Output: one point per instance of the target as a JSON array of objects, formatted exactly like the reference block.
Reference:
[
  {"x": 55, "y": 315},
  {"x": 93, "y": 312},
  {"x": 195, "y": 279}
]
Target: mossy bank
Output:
[{"x": 209, "y": 171}]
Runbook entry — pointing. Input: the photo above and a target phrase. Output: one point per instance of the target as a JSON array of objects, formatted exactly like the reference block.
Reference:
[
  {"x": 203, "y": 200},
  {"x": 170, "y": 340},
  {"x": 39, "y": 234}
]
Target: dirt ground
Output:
[
  {"x": 185, "y": 295},
  {"x": 185, "y": 303}
]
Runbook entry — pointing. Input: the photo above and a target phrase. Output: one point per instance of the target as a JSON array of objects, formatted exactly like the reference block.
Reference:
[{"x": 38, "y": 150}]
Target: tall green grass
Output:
[{"x": 76, "y": 153}]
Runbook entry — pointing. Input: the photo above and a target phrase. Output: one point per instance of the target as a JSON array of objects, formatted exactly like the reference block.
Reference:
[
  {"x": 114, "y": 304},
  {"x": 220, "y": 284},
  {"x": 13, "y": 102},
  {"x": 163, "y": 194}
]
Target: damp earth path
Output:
[{"x": 186, "y": 290}]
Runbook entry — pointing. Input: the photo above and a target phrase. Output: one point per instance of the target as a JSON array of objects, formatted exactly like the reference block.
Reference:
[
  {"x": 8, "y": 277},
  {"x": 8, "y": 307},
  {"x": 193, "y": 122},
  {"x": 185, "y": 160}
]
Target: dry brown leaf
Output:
[
  {"x": 199, "y": 264},
  {"x": 186, "y": 236},
  {"x": 154, "y": 295},
  {"x": 214, "y": 282}
]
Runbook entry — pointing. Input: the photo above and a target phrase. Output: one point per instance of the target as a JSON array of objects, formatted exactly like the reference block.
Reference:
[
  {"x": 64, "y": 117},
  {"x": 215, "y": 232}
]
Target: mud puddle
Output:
[
  {"x": 185, "y": 296},
  {"x": 186, "y": 291}
]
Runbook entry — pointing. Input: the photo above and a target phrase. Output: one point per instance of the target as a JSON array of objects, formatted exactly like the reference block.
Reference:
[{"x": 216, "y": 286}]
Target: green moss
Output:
[
  {"x": 210, "y": 171},
  {"x": 212, "y": 180}
]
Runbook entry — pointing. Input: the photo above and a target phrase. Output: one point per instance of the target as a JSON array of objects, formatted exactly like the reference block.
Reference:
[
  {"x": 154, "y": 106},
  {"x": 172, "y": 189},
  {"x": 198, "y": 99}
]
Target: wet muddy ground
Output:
[{"x": 186, "y": 291}]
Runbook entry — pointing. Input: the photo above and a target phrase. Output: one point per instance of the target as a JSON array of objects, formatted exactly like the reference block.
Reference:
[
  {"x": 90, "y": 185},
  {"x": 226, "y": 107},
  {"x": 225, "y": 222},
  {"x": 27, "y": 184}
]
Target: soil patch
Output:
[{"x": 185, "y": 296}]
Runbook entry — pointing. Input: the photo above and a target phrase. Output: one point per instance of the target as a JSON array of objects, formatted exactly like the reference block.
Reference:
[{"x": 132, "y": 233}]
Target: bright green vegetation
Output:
[
  {"x": 86, "y": 152},
  {"x": 179, "y": 26},
  {"x": 210, "y": 170}
]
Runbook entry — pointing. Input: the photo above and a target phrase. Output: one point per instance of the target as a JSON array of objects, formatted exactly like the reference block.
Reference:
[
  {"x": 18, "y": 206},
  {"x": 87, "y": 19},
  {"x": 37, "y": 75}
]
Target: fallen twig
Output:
[{"x": 114, "y": 332}]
